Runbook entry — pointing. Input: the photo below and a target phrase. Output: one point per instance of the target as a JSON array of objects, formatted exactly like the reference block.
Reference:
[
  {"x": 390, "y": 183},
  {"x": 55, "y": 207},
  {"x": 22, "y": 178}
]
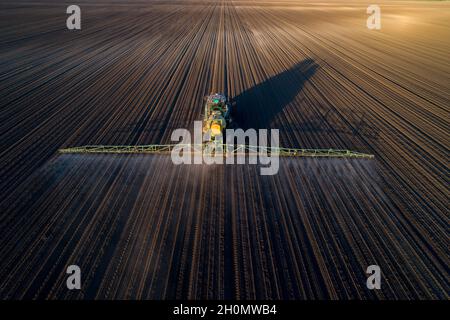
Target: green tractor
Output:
[{"x": 217, "y": 116}]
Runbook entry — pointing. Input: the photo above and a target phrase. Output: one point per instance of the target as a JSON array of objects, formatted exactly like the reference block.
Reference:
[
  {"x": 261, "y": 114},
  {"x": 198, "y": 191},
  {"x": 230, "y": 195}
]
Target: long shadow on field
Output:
[{"x": 258, "y": 106}]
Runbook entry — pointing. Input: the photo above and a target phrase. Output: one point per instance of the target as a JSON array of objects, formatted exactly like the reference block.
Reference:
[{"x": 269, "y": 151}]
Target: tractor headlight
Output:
[{"x": 216, "y": 129}]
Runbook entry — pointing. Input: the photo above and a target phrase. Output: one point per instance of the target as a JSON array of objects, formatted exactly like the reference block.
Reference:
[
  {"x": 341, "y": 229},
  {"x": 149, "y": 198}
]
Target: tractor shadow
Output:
[{"x": 258, "y": 106}]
